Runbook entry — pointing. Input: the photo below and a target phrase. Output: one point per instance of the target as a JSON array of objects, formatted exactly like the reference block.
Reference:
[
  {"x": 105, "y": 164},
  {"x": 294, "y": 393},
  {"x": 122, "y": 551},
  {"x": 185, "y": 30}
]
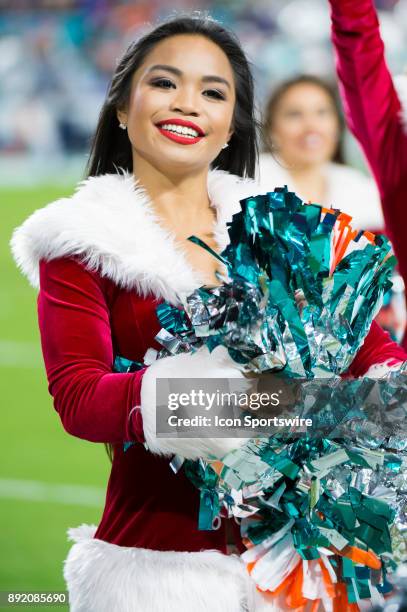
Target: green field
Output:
[{"x": 38, "y": 456}]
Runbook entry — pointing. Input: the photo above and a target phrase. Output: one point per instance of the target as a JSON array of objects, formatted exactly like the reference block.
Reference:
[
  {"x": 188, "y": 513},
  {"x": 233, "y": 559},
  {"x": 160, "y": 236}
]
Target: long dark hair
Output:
[
  {"x": 111, "y": 147},
  {"x": 279, "y": 93}
]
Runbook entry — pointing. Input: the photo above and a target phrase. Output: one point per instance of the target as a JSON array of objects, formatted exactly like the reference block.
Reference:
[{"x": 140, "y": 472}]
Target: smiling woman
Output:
[
  {"x": 189, "y": 100},
  {"x": 173, "y": 153},
  {"x": 187, "y": 69},
  {"x": 303, "y": 138},
  {"x": 103, "y": 259}
]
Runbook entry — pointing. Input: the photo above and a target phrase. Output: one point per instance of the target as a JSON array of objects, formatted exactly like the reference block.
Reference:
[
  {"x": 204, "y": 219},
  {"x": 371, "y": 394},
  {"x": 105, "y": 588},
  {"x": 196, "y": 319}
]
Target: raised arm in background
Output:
[{"x": 373, "y": 110}]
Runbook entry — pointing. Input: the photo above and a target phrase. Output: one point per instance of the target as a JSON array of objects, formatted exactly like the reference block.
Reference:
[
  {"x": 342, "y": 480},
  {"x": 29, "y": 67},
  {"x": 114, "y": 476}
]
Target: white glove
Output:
[{"x": 201, "y": 364}]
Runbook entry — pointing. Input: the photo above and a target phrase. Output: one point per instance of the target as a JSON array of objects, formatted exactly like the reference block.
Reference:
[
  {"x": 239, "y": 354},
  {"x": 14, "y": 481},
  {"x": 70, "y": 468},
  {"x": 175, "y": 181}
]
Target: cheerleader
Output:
[
  {"x": 303, "y": 138},
  {"x": 373, "y": 110},
  {"x": 174, "y": 152}
]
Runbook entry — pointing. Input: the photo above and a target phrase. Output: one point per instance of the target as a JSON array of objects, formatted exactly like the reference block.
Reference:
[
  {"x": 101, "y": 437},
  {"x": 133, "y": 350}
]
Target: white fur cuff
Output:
[
  {"x": 380, "y": 370},
  {"x": 201, "y": 364}
]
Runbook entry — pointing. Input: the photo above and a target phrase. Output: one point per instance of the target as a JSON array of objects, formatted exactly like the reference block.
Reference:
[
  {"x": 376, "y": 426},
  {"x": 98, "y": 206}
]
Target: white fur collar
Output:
[{"x": 110, "y": 223}]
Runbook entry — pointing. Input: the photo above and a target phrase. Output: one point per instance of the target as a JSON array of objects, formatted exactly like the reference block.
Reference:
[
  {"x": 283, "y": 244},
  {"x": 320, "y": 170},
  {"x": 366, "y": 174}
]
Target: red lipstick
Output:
[{"x": 180, "y": 138}]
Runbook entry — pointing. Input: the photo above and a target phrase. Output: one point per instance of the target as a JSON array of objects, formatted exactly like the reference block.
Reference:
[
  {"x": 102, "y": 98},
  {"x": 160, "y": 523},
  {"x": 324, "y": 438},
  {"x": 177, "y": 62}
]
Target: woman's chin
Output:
[
  {"x": 309, "y": 161},
  {"x": 181, "y": 161}
]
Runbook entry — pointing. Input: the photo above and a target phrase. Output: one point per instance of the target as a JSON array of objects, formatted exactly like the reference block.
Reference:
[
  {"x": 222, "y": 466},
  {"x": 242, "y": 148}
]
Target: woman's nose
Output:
[
  {"x": 186, "y": 102},
  {"x": 312, "y": 122}
]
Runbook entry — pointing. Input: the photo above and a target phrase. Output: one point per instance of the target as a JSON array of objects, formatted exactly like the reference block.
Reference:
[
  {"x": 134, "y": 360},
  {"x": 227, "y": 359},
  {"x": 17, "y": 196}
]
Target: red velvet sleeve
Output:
[
  {"x": 373, "y": 111},
  {"x": 93, "y": 402},
  {"x": 377, "y": 348},
  {"x": 371, "y": 102}
]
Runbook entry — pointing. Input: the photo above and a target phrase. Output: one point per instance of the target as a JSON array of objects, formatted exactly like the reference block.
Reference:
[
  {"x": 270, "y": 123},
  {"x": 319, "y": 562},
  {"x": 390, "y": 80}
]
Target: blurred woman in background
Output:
[
  {"x": 303, "y": 137},
  {"x": 303, "y": 132}
]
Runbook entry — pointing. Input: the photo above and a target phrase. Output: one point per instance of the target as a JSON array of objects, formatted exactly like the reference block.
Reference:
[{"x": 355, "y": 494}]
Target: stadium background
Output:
[{"x": 56, "y": 58}]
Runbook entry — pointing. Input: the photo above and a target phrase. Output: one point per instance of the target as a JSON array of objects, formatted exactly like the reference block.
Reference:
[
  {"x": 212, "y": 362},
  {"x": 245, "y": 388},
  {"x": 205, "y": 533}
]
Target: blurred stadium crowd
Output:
[{"x": 57, "y": 56}]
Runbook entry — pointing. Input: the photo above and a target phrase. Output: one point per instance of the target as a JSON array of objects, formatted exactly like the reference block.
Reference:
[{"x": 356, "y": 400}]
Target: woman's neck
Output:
[
  {"x": 310, "y": 182},
  {"x": 183, "y": 207},
  {"x": 179, "y": 200}
]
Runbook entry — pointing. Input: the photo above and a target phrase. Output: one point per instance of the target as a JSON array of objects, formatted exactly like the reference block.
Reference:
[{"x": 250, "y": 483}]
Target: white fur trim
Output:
[
  {"x": 83, "y": 532},
  {"x": 110, "y": 223},
  {"x": 200, "y": 364},
  {"x": 380, "y": 370},
  {"x": 104, "y": 577},
  {"x": 400, "y": 82}
]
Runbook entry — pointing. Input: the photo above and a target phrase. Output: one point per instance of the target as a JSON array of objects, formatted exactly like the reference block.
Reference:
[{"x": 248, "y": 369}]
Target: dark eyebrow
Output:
[
  {"x": 216, "y": 79},
  {"x": 165, "y": 67},
  {"x": 206, "y": 79}
]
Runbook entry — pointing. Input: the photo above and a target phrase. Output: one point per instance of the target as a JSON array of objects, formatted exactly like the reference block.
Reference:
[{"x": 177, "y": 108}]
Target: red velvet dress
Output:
[{"x": 102, "y": 264}]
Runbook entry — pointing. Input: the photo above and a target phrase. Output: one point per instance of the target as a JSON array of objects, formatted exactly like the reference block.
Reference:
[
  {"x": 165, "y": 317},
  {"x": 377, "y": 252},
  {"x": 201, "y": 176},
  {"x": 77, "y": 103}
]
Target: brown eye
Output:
[
  {"x": 325, "y": 111},
  {"x": 293, "y": 113},
  {"x": 215, "y": 93},
  {"x": 163, "y": 83}
]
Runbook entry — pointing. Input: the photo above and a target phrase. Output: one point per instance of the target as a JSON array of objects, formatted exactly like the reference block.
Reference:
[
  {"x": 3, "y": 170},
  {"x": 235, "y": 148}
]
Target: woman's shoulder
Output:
[
  {"x": 343, "y": 172},
  {"x": 356, "y": 194},
  {"x": 271, "y": 173},
  {"x": 68, "y": 226},
  {"x": 110, "y": 227},
  {"x": 110, "y": 224}
]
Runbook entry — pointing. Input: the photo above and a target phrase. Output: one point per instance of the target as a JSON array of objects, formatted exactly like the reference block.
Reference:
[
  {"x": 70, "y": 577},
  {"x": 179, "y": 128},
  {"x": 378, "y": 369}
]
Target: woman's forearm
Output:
[{"x": 93, "y": 402}]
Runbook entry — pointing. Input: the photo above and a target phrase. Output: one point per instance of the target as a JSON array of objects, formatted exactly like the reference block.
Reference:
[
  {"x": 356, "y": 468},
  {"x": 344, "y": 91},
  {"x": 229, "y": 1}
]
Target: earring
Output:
[
  {"x": 225, "y": 146},
  {"x": 123, "y": 126}
]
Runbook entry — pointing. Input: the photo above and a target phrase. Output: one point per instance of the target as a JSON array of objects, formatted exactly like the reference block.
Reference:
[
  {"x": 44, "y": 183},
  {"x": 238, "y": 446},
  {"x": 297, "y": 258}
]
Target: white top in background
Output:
[{"x": 348, "y": 189}]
